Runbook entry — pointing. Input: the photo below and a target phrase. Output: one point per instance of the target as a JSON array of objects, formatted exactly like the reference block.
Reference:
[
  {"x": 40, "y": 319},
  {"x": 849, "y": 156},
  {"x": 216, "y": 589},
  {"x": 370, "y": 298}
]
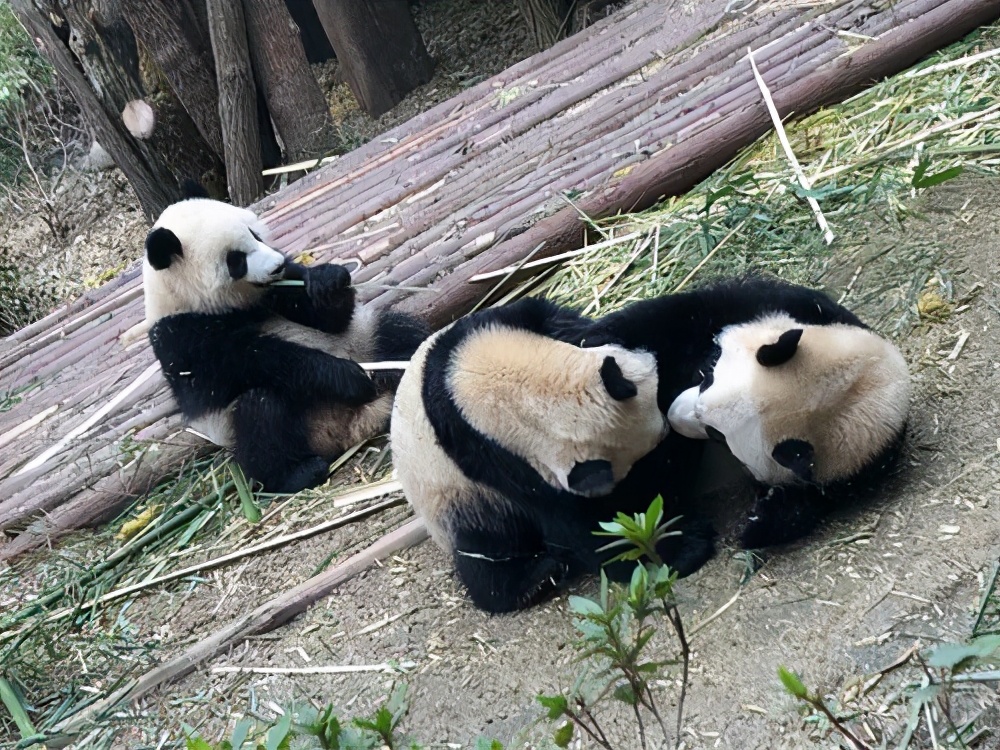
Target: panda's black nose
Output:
[{"x": 280, "y": 270}]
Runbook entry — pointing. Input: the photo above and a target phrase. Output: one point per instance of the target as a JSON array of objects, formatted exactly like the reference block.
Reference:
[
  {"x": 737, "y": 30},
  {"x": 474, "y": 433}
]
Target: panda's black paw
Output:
[
  {"x": 694, "y": 547},
  {"x": 778, "y": 518},
  {"x": 353, "y": 386},
  {"x": 325, "y": 280},
  {"x": 310, "y": 473},
  {"x": 547, "y": 577}
]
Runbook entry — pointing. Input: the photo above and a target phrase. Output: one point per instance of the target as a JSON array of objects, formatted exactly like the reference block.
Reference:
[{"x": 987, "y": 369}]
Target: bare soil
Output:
[{"x": 835, "y": 607}]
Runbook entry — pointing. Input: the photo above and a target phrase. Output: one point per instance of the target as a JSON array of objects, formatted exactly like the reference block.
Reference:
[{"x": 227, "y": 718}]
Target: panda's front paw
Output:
[
  {"x": 325, "y": 280},
  {"x": 547, "y": 577},
  {"x": 777, "y": 519}
]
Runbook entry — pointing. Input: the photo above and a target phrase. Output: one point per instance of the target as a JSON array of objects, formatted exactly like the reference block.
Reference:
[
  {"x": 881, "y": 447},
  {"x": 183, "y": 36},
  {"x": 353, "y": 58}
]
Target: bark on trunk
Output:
[
  {"x": 172, "y": 34},
  {"x": 298, "y": 108},
  {"x": 379, "y": 47},
  {"x": 104, "y": 64},
  {"x": 237, "y": 100}
]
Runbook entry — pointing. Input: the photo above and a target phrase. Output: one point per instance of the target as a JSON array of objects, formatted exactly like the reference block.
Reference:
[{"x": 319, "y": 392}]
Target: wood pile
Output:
[{"x": 639, "y": 106}]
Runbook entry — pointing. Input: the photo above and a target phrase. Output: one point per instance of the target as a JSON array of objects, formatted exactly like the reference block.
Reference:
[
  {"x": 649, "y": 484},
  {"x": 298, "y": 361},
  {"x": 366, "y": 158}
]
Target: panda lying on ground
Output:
[
  {"x": 269, "y": 371},
  {"x": 805, "y": 396},
  {"x": 512, "y": 445}
]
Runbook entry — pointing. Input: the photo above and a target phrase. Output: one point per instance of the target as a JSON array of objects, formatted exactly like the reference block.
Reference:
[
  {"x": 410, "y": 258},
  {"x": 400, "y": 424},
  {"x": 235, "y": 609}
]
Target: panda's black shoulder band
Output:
[{"x": 480, "y": 458}]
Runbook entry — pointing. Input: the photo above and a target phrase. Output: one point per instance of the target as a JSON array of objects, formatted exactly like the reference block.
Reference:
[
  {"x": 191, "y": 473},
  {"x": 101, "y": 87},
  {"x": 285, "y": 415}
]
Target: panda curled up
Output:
[
  {"x": 518, "y": 429},
  {"x": 270, "y": 371},
  {"x": 513, "y": 445}
]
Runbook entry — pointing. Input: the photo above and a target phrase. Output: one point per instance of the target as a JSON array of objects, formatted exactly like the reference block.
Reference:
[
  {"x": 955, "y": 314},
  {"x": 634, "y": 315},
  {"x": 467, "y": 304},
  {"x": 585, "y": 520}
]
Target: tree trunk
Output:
[
  {"x": 148, "y": 174},
  {"x": 548, "y": 20},
  {"x": 314, "y": 39},
  {"x": 297, "y": 104},
  {"x": 379, "y": 48},
  {"x": 172, "y": 35},
  {"x": 237, "y": 100}
]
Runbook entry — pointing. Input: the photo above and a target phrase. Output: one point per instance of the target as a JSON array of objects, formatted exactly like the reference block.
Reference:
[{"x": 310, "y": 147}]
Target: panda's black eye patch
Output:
[{"x": 236, "y": 260}]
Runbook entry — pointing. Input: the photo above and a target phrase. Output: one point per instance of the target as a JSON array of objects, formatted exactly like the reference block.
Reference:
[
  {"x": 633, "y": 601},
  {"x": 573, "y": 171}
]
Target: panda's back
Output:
[{"x": 432, "y": 482}]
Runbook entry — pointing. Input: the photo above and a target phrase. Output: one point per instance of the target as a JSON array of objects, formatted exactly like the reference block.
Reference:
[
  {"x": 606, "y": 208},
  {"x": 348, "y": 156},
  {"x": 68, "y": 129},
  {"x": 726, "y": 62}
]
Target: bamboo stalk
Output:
[{"x": 264, "y": 618}]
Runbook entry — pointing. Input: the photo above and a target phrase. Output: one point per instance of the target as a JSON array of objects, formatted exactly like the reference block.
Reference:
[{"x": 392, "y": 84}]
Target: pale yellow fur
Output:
[
  {"x": 846, "y": 391},
  {"x": 541, "y": 399}
]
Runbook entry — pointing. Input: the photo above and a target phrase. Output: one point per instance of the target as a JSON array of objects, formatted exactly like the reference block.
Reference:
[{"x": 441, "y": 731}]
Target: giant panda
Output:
[
  {"x": 513, "y": 445},
  {"x": 806, "y": 397},
  {"x": 269, "y": 371}
]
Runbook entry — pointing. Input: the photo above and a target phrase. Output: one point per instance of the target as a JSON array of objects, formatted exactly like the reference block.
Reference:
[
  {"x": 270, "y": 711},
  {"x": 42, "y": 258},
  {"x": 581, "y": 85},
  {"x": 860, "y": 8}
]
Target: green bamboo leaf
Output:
[
  {"x": 247, "y": 504},
  {"x": 583, "y": 606},
  {"x": 240, "y": 733},
  {"x": 9, "y": 698},
  {"x": 563, "y": 735},
  {"x": 557, "y": 705},
  {"x": 792, "y": 683},
  {"x": 278, "y": 734}
]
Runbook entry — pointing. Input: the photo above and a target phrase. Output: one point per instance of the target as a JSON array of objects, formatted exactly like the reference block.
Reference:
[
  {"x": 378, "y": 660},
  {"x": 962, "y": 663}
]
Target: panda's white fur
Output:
[
  {"x": 845, "y": 391},
  {"x": 200, "y": 282},
  {"x": 231, "y": 343},
  {"x": 513, "y": 446},
  {"x": 542, "y": 399},
  {"x": 793, "y": 384}
]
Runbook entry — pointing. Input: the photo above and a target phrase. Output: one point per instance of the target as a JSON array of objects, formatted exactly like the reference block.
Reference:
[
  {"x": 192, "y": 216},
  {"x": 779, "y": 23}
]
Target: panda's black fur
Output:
[
  {"x": 681, "y": 330},
  {"x": 271, "y": 365},
  {"x": 516, "y": 537}
]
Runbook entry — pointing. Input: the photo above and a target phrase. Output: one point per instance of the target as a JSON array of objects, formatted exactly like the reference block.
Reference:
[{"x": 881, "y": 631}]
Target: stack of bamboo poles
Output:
[{"x": 639, "y": 106}]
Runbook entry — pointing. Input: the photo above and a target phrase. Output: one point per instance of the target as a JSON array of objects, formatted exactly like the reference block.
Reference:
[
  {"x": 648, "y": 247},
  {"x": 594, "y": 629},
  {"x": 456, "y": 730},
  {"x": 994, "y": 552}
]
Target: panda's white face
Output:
[
  {"x": 797, "y": 402},
  {"x": 580, "y": 417},
  {"x": 206, "y": 256}
]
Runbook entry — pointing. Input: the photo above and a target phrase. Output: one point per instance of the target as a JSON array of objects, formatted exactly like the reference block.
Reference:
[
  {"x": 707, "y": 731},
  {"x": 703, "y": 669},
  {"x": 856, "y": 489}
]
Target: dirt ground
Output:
[{"x": 843, "y": 603}]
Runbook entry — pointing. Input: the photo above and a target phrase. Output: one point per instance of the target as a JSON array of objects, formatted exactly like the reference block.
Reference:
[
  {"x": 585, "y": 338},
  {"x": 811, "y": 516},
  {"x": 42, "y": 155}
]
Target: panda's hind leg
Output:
[
  {"x": 506, "y": 566},
  {"x": 272, "y": 445}
]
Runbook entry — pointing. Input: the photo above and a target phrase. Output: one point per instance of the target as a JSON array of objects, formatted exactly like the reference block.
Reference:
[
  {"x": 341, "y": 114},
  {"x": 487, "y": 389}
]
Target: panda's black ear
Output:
[
  {"x": 798, "y": 456},
  {"x": 161, "y": 247},
  {"x": 782, "y": 350},
  {"x": 619, "y": 387}
]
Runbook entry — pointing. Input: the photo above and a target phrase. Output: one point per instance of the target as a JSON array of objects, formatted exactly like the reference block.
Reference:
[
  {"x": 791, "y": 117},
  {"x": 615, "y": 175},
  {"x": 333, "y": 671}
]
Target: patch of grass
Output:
[
  {"x": 70, "y": 630},
  {"x": 870, "y": 156}
]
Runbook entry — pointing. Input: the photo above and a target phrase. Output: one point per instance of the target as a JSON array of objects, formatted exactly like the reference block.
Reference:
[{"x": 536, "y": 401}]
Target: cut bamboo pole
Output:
[{"x": 266, "y": 617}]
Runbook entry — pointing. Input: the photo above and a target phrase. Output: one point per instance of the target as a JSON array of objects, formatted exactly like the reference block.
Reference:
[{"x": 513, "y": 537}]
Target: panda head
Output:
[
  {"x": 580, "y": 417},
  {"x": 206, "y": 256},
  {"x": 799, "y": 403}
]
